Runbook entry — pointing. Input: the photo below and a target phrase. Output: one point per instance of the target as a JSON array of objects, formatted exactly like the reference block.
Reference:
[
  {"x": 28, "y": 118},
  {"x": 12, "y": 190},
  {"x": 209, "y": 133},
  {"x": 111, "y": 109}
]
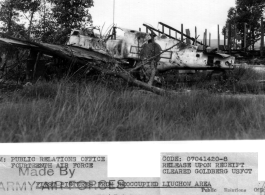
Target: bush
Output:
[
  {"x": 248, "y": 87},
  {"x": 239, "y": 80},
  {"x": 245, "y": 74}
]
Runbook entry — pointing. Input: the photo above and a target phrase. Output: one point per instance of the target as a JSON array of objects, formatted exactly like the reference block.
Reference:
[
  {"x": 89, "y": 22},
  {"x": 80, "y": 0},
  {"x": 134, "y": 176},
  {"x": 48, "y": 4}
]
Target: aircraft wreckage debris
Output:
[
  {"x": 85, "y": 57},
  {"x": 138, "y": 51}
]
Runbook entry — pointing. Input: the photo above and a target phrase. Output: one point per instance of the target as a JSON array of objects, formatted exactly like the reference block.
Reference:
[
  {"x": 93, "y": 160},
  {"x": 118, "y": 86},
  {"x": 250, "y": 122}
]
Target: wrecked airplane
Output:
[
  {"x": 174, "y": 54},
  {"x": 140, "y": 54}
]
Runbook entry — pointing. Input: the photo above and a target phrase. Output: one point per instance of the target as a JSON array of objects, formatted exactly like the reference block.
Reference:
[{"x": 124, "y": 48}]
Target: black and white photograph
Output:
[
  {"x": 131, "y": 70},
  {"x": 132, "y": 97}
]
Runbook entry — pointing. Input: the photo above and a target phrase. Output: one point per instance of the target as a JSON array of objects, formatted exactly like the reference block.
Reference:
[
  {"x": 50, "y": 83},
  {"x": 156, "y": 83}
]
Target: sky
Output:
[{"x": 204, "y": 14}]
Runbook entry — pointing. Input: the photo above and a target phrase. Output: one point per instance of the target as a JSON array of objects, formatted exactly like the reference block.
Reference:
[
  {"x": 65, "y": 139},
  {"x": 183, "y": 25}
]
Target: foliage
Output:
[
  {"x": 31, "y": 6},
  {"x": 58, "y": 36},
  {"x": 9, "y": 16},
  {"x": 46, "y": 20},
  {"x": 249, "y": 12},
  {"x": 72, "y": 13},
  {"x": 28, "y": 5},
  {"x": 240, "y": 80},
  {"x": 61, "y": 18},
  {"x": 45, "y": 27}
]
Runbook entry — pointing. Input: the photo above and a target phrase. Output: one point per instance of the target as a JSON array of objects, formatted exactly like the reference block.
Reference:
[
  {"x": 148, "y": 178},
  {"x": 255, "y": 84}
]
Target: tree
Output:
[
  {"x": 250, "y": 12},
  {"x": 45, "y": 25},
  {"x": 8, "y": 16},
  {"x": 62, "y": 17},
  {"x": 72, "y": 13},
  {"x": 232, "y": 20},
  {"x": 59, "y": 17},
  {"x": 31, "y": 6},
  {"x": 49, "y": 20}
]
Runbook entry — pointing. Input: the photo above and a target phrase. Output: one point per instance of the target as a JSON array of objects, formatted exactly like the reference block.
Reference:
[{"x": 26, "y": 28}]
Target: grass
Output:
[
  {"x": 54, "y": 112},
  {"x": 239, "y": 80}
]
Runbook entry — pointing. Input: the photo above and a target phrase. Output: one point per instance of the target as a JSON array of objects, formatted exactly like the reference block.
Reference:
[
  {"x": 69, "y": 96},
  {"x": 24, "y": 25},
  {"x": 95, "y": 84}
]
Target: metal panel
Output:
[
  {"x": 167, "y": 55},
  {"x": 135, "y": 49}
]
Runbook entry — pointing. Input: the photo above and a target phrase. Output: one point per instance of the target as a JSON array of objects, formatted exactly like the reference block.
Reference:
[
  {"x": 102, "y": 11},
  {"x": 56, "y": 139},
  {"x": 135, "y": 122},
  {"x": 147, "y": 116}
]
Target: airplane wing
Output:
[
  {"x": 17, "y": 43},
  {"x": 57, "y": 50}
]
